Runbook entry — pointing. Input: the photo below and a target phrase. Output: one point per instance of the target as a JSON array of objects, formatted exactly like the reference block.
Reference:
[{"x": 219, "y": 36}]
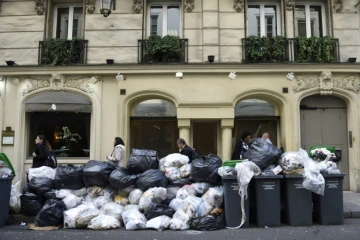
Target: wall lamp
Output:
[
  {"x": 179, "y": 75},
  {"x": 105, "y": 7},
  {"x": 120, "y": 77},
  {"x": 232, "y": 75},
  {"x": 290, "y": 76}
]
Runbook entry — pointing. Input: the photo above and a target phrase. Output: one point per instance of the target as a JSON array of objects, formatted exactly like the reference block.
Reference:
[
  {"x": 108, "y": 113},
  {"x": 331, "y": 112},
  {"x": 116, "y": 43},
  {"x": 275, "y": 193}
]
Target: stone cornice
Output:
[{"x": 185, "y": 68}]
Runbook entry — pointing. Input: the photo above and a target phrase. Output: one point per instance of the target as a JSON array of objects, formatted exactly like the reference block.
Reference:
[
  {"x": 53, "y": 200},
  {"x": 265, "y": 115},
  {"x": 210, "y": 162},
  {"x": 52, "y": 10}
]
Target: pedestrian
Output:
[
  {"x": 266, "y": 137},
  {"x": 40, "y": 156},
  {"x": 118, "y": 154},
  {"x": 185, "y": 149},
  {"x": 241, "y": 146}
]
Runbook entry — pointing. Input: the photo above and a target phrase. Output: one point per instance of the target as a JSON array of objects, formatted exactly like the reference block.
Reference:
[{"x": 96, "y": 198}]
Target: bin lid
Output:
[
  {"x": 334, "y": 175},
  {"x": 4, "y": 158},
  {"x": 232, "y": 163},
  {"x": 268, "y": 176},
  {"x": 293, "y": 176},
  {"x": 229, "y": 177}
]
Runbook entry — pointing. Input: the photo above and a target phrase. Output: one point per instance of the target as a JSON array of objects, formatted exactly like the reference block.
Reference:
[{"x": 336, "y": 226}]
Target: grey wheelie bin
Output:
[{"x": 5, "y": 189}]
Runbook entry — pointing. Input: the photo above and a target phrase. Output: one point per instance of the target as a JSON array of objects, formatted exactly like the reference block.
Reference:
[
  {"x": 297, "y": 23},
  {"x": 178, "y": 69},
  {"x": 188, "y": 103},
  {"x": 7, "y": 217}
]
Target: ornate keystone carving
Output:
[
  {"x": 39, "y": 7},
  {"x": 137, "y": 8},
  {"x": 238, "y": 5},
  {"x": 290, "y": 5},
  {"x": 189, "y": 5},
  {"x": 58, "y": 82},
  {"x": 338, "y": 5},
  {"x": 303, "y": 83},
  {"x": 90, "y": 6},
  {"x": 326, "y": 83}
]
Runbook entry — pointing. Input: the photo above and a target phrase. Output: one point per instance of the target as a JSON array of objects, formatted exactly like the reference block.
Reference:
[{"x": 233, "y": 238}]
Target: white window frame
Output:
[
  {"x": 308, "y": 19},
  {"x": 262, "y": 17},
  {"x": 164, "y": 12},
  {"x": 71, "y": 16}
]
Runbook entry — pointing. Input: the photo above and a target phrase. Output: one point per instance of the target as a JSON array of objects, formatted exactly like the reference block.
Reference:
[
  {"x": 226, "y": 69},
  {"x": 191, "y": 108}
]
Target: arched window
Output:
[
  {"x": 254, "y": 107},
  {"x": 154, "y": 108}
]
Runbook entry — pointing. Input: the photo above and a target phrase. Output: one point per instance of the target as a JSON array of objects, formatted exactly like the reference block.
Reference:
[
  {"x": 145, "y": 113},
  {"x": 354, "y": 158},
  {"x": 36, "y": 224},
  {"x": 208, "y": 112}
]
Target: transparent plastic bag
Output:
[
  {"x": 201, "y": 187},
  {"x": 173, "y": 160},
  {"x": 104, "y": 222},
  {"x": 15, "y": 203},
  {"x": 177, "y": 204},
  {"x": 80, "y": 193},
  {"x": 204, "y": 209},
  {"x": 172, "y": 173},
  {"x": 133, "y": 218},
  {"x": 290, "y": 161},
  {"x": 71, "y": 201},
  {"x": 185, "y": 171},
  {"x": 191, "y": 205},
  {"x": 185, "y": 191},
  {"x": 113, "y": 209},
  {"x": 153, "y": 195},
  {"x": 94, "y": 191},
  {"x": 108, "y": 191},
  {"x": 227, "y": 171},
  {"x": 159, "y": 223},
  {"x": 134, "y": 196},
  {"x": 71, "y": 215},
  {"x": 42, "y": 172},
  {"x": 84, "y": 218},
  {"x": 180, "y": 221},
  {"x": 101, "y": 201},
  {"x": 313, "y": 180},
  {"x": 214, "y": 196},
  {"x": 123, "y": 201},
  {"x": 126, "y": 191}
]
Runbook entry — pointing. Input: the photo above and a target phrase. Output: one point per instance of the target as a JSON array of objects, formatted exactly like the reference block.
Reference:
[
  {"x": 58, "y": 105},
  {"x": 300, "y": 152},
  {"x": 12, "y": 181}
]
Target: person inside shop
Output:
[
  {"x": 40, "y": 155},
  {"x": 118, "y": 154},
  {"x": 241, "y": 146},
  {"x": 184, "y": 149},
  {"x": 266, "y": 137}
]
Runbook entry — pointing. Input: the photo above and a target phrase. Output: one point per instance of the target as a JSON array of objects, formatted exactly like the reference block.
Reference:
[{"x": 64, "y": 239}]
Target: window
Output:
[
  {"x": 263, "y": 20},
  {"x": 164, "y": 19},
  {"x": 310, "y": 20},
  {"x": 68, "y": 20}
]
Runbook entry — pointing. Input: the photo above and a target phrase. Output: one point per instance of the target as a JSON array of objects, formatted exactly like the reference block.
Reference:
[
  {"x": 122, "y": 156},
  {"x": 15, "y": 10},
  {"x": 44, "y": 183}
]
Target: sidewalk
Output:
[{"x": 351, "y": 204}]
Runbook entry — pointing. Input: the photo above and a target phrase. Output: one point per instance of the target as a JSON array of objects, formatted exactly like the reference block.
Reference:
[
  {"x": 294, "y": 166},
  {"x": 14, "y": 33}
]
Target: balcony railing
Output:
[
  {"x": 280, "y": 49},
  {"x": 178, "y": 55},
  {"x": 62, "y": 52}
]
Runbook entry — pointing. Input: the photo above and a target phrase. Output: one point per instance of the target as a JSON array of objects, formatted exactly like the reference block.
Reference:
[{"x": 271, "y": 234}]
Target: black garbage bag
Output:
[
  {"x": 121, "y": 178},
  {"x": 208, "y": 223},
  {"x": 40, "y": 185},
  {"x": 157, "y": 210},
  {"x": 168, "y": 200},
  {"x": 52, "y": 214},
  {"x": 96, "y": 173},
  {"x": 31, "y": 204},
  {"x": 26, "y": 189},
  {"x": 142, "y": 160},
  {"x": 69, "y": 177},
  {"x": 205, "y": 169},
  {"x": 262, "y": 153},
  {"x": 50, "y": 194},
  {"x": 171, "y": 194},
  {"x": 183, "y": 181},
  {"x": 151, "y": 178}
]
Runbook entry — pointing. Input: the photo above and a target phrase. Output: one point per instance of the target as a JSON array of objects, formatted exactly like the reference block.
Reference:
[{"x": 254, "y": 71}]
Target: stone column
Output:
[
  {"x": 289, "y": 18},
  {"x": 184, "y": 130},
  {"x": 226, "y": 134}
]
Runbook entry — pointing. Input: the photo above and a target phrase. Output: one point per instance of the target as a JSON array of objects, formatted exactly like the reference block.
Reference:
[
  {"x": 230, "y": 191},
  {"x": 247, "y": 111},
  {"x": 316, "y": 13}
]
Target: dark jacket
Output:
[
  {"x": 188, "y": 151},
  {"x": 239, "y": 150},
  {"x": 41, "y": 156}
]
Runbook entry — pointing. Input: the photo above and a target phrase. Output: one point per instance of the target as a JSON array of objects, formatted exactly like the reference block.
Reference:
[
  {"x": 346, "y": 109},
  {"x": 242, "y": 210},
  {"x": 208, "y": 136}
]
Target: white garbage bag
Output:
[
  {"x": 177, "y": 204},
  {"x": 71, "y": 215},
  {"x": 180, "y": 221},
  {"x": 80, "y": 193},
  {"x": 123, "y": 201},
  {"x": 214, "y": 196},
  {"x": 159, "y": 223},
  {"x": 133, "y": 218},
  {"x": 185, "y": 171},
  {"x": 72, "y": 201},
  {"x": 172, "y": 173},
  {"x": 42, "y": 172},
  {"x": 201, "y": 187},
  {"x": 84, "y": 218},
  {"x": 191, "y": 205},
  {"x": 101, "y": 201},
  {"x": 103, "y": 222},
  {"x": 15, "y": 203},
  {"x": 152, "y": 195},
  {"x": 126, "y": 191},
  {"x": 204, "y": 209},
  {"x": 94, "y": 191},
  {"x": 173, "y": 160},
  {"x": 226, "y": 171},
  {"x": 134, "y": 196},
  {"x": 113, "y": 209},
  {"x": 185, "y": 191},
  {"x": 62, "y": 193},
  {"x": 290, "y": 161},
  {"x": 108, "y": 191}
]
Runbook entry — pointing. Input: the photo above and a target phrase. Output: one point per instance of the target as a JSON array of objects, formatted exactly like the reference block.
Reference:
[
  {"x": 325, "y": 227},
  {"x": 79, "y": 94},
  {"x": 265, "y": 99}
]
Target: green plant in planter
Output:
[
  {"x": 303, "y": 49},
  {"x": 278, "y": 48},
  {"x": 153, "y": 49},
  {"x": 253, "y": 48},
  {"x": 55, "y": 52},
  {"x": 327, "y": 47},
  {"x": 171, "y": 48},
  {"x": 265, "y": 48},
  {"x": 315, "y": 49},
  {"x": 76, "y": 50}
]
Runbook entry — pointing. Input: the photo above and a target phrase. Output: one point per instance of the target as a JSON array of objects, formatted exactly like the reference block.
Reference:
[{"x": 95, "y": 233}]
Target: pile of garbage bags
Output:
[
  {"x": 149, "y": 193},
  {"x": 5, "y": 171}
]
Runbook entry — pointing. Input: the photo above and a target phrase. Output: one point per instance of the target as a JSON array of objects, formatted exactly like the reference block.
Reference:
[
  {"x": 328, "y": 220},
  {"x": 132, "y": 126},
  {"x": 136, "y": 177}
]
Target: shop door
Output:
[
  {"x": 326, "y": 126},
  {"x": 205, "y": 135}
]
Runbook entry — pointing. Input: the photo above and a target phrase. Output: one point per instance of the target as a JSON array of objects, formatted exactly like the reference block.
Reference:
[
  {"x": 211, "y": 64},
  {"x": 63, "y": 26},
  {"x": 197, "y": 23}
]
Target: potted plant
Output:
[
  {"x": 278, "y": 48},
  {"x": 170, "y": 48},
  {"x": 109, "y": 61},
  {"x": 153, "y": 49},
  {"x": 211, "y": 58}
]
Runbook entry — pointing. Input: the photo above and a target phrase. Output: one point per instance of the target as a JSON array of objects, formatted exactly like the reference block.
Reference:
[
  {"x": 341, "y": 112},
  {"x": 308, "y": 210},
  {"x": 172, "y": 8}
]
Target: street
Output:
[{"x": 350, "y": 230}]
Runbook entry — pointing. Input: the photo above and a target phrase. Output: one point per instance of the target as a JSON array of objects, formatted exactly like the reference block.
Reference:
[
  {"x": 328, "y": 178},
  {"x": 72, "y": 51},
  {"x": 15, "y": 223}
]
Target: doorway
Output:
[
  {"x": 205, "y": 137},
  {"x": 324, "y": 123}
]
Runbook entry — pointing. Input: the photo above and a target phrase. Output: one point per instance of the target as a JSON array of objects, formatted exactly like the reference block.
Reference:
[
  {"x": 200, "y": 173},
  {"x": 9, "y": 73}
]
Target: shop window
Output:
[
  {"x": 68, "y": 21},
  {"x": 153, "y": 125},
  {"x": 263, "y": 19},
  {"x": 164, "y": 19},
  {"x": 310, "y": 20}
]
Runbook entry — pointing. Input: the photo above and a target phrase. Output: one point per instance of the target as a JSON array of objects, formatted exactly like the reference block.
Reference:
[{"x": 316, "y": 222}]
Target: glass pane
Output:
[
  {"x": 156, "y": 20},
  {"x": 155, "y": 108},
  {"x": 77, "y": 22},
  {"x": 254, "y": 107},
  {"x": 62, "y": 23},
  {"x": 205, "y": 137},
  {"x": 254, "y": 20},
  {"x": 173, "y": 20},
  {"x": 316, "y": 21},
  {"x": 300, "y": 21},
  {"x": 270, "y": 21},
  {"x": 256, "y": 127},
  {"x": 156, "y": 134},
  {"x": 67, "y": 132}
]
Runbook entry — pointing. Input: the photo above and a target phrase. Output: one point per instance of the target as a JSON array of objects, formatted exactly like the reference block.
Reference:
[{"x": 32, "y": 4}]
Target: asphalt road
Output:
[{"x": 349, "y": 231}]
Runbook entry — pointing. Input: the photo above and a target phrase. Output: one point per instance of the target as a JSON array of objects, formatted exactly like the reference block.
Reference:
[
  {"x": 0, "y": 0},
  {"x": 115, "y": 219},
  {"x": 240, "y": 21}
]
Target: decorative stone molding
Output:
[
  {"x": 338, "y": 5},
  {"x": 15, "y": 81},
  {"x": 239, "y": 5},
  {"x": 137, "y": 8},
  {"x": 326, "y": 83},
  {"x": 189, "y": 5},
  {"x": 58, "y": 82},
  {"x": 39, "y": 7},
  {"x": 90, "y": 6},
  {"x": 290, "y": 5}
]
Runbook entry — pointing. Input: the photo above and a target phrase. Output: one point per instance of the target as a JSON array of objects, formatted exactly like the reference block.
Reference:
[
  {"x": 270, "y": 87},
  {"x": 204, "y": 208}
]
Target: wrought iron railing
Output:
[
  {"x": 144, "y": 56},
  {"x": 72, "y": 52},
  {"x": 302, "y": 50}
]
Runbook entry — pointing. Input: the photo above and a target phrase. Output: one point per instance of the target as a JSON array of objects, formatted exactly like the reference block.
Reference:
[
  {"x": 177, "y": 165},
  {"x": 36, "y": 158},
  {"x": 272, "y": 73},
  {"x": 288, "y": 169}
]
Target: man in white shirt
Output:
[{"x": 266, "y": 137}]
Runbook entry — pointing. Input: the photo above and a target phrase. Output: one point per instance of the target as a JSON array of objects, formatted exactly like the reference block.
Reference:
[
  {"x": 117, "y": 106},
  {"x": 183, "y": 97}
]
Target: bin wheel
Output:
[{"x": 9, "y": 220}]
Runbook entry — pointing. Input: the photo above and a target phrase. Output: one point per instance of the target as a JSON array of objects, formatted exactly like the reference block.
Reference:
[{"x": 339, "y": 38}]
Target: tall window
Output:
[
  {"x": 263, "y": 19},
  {"x": 68, "y": 20},
  {"x": 164, "y": 19},
  {"x": 310, "y": 20}
]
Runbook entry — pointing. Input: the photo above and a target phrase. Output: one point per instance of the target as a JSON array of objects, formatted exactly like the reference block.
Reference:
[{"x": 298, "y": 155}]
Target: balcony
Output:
[
  {"x": 62, "y": 52},
  {"x": 288, "y": 50},
  {"x": 166, "y": 50}
]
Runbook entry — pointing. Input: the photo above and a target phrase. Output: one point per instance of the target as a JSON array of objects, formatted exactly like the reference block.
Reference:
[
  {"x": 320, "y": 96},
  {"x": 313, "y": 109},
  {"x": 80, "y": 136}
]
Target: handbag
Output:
[{"x": 51, "y": 160}]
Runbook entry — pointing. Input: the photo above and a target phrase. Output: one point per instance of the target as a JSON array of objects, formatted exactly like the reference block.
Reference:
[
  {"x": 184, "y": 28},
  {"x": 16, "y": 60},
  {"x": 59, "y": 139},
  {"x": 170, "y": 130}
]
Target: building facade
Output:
[{"x": 279, "y": 66}]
